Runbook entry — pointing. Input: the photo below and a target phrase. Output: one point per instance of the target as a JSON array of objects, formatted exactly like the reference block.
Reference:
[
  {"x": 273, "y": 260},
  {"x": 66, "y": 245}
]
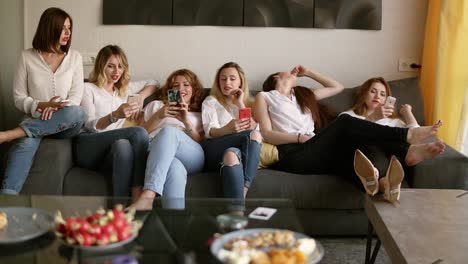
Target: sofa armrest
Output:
[
  {"x": 53, "y": 160},
  {"x": 446, "y": 171}
]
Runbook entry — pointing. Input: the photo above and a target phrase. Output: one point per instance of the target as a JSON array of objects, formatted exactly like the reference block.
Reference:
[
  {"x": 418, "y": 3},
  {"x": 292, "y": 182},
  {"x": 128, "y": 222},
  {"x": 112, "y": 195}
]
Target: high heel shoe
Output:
[
  {"x": 393, "y": 179},
  {"x": 366, "y": 172}
]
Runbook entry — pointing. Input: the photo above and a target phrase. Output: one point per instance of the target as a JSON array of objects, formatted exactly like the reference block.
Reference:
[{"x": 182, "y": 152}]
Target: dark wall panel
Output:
[
  {"x": 279, "y": 13},
  {"x": 355, "y": 14},
  {"x": 208, "y": 12},
  {"x": 137, "y": 12}
]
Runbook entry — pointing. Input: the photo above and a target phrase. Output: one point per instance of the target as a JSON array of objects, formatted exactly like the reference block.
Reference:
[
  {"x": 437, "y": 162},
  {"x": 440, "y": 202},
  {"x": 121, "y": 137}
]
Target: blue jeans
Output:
[
  {"x": 235, "y": 177},
  {"x": 172, "y": 156},
  {"x": 122, "y": 151},
  {"x": 65, "y": 123}
]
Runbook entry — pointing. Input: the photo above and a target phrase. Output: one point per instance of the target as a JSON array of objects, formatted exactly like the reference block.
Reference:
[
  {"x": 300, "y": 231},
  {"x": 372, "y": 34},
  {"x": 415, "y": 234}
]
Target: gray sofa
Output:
[{"x": 326, "y": 204}]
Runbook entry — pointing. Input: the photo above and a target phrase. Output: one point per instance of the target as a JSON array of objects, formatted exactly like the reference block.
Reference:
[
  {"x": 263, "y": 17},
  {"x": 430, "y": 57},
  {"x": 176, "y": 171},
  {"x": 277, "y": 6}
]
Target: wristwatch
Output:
[{"x": 112, "y": 118}]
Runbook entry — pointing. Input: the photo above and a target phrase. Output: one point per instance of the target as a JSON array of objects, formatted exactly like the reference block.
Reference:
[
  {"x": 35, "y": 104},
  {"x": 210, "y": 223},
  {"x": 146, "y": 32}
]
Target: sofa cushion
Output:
[{"x": 79, "y": 181}]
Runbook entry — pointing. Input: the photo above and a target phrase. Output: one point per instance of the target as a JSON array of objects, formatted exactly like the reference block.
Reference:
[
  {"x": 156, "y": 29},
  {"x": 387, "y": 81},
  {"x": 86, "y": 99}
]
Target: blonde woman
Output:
[
  {"x": 233, "y": 145},
  {"x": 105, "y": 144}
]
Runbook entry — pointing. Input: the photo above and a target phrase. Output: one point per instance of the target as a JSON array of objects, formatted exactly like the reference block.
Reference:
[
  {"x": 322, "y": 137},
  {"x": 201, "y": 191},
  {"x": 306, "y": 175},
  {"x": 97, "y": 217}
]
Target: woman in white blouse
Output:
[
  {"x": 233, "y": 146},
  {"x": 289, "y": 116},
  {"x": 105, "y": 144},
  {"x": 176, "y": 132},
  {"x": 48, "y": 87},
  {"x": 370, "y": 104}
]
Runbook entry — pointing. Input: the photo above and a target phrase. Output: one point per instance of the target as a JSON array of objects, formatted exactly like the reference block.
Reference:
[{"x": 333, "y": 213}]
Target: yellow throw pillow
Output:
[
  {"x": 268, "y": 156},
  {"x": 130, "y": 123}
]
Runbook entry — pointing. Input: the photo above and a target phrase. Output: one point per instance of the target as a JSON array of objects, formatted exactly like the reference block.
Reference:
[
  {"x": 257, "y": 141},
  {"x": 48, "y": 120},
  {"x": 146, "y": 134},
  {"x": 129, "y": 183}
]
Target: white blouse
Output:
[
  {"x": 215, "y": 115},
  {"x": 286, "y": 115},
  {"x": 154, "y": 106},
  {"x": 98, "y": 103},
  {"x": 391, "y": 122},
  {"x": 35, "y": 82}
]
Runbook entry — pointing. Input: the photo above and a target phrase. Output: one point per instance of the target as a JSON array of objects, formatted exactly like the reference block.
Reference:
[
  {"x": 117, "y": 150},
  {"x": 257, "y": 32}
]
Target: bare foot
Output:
[
  {"x": 419, "y": 152},
  {"x": 418, "y": 134},
  {"x": 136, "y": 193},
  {"x": 143, "y": 203}
]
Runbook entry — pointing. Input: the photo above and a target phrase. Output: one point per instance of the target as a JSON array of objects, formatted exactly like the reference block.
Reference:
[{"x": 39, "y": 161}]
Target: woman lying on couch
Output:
[
  {"x": 288, "y": 114},
  {"x": 105, "y": 143},
  {"x": 372, "y": 104},
  {"x": 175, "y": 126}
]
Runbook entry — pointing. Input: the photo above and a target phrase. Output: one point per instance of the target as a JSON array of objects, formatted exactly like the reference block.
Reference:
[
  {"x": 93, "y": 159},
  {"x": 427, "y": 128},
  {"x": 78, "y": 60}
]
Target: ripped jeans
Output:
[
  {"x": 65, "y": 123},
  {"x": 237, "y": 176}
]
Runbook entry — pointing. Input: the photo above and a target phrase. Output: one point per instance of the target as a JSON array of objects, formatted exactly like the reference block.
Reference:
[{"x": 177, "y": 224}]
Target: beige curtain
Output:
[{"x": 444, "y": 75}]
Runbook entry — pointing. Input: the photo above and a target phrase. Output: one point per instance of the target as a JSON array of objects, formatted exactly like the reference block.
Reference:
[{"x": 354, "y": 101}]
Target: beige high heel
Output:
[
  {"x": 367, "y": 173},
  {"x": 393, "y": 179}
]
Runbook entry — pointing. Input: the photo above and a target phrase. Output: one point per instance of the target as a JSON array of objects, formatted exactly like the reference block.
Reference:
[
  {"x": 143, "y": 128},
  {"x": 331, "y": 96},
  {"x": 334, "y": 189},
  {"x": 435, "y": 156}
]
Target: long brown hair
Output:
[
  {"x": 98, "y": 75},
  {"x": 360, "y": 106},
  {"x": 197, "y": 88},
  {"x": 49, "y": 29},
  {"x": 216, "y": 90},
  {"x": 307, "y": 101}
]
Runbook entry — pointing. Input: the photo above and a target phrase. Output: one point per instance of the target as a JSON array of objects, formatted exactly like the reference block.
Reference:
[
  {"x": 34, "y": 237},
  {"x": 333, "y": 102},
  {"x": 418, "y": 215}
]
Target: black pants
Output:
[{"x": 331, "y": 150}]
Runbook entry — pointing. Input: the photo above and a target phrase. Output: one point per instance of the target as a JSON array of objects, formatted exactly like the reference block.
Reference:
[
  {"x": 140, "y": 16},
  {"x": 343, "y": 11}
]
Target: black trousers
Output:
[{"x": 331, "y": 150}]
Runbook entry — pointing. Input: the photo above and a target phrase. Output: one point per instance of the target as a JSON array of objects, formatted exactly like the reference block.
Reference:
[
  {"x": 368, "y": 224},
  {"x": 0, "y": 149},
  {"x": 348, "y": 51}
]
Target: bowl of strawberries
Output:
[{"x": 103, "y": 229}]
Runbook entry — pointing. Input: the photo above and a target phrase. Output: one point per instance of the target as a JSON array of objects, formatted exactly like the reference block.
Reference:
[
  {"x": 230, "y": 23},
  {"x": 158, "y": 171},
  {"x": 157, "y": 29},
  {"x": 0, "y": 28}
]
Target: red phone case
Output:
[{"x": 245, "y": 113}]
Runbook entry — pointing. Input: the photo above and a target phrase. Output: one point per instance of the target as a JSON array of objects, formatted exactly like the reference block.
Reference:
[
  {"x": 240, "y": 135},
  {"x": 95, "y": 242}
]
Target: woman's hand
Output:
[
  {"x": 237, "y": 97},
  {"x": 299, "y": 71},
  {"x": 380, "y": 112},
  {"x": 405, "y": 110},
  {"x": 126, "y": 110},
  {"x": 169, "y": 110},
  {"x": 183, "y": 110},
  {"x": 304, "y": 138},
  {"x": 236, "y": 126},
  {"x": 47, "y": 109},
  {"x": 136, "y": 115}
]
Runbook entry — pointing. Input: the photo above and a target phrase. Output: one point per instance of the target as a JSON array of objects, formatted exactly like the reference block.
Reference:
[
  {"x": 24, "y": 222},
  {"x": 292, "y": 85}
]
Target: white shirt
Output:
[
  {"x": 286, "y": 115},
  {"x": 35, "y": 82},
  {"x": 215, "y": 115},
  {"x": 391, "y": 122},
  {"x": 98, "y": 103},
  {"x": 153, "y": 107}
]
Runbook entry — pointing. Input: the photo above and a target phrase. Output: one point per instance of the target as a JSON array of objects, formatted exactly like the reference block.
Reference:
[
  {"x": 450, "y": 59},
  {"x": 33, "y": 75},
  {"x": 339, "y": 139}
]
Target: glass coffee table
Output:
[{"x": 168, "y": 235}]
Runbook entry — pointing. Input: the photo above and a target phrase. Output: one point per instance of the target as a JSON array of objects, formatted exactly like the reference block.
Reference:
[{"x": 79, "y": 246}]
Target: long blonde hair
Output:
[
  {"x": 216, "y": 90},
  {"x": 98, "y": 75}
]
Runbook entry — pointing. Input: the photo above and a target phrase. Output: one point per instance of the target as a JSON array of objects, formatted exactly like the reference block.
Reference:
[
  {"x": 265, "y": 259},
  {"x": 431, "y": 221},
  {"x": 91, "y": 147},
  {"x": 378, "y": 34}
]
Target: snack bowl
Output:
[{"x": 102, "y": 230}]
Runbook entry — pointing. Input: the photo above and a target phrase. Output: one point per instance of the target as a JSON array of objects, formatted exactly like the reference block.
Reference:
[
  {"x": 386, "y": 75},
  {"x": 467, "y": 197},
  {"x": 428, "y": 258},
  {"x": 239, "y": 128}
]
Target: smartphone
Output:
[
  {"x": 173, "y": 95},
  {"x": 390, "y": 101},
  {"x": 133, "y": 98},
  {"x": 64, "y": 101},
  {"x": 245, "y": 113}
]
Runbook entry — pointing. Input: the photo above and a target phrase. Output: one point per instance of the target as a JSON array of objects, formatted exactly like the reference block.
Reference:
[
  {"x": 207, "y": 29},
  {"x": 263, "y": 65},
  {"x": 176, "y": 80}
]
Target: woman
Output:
[
  {"x": 176, "y": 131},
  {"x": 289, "y": 116},
  {"x": 233, "y": 146},
  {"x": 105, "y": 144},
  {"x": 370, "y": 104},
  {"x": 48, "y": 87}
]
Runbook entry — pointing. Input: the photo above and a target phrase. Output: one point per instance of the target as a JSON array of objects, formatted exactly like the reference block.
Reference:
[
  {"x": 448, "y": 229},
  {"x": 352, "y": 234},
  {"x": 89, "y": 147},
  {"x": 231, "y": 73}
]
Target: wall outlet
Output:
[
  {"x": 404, "y": 64},
  {"x": 89, "y": 58}
]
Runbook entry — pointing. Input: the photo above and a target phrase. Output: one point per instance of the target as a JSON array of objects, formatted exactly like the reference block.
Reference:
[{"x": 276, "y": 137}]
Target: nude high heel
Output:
[
  {"x": 393, "y": 179},
  {"x": 366, "y": 172}
]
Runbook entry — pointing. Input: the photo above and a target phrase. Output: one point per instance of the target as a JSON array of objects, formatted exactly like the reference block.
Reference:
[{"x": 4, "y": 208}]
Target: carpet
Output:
[{"x": 349, "y": 251}]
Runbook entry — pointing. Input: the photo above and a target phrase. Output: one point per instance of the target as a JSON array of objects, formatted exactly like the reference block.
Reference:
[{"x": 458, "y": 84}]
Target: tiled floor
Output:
[{"x": 349, "y": 251}]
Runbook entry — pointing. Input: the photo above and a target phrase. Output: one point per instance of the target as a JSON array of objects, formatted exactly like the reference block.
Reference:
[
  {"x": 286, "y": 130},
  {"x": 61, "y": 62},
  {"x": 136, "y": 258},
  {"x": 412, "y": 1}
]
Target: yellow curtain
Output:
[{"x": 444, "y": 75}]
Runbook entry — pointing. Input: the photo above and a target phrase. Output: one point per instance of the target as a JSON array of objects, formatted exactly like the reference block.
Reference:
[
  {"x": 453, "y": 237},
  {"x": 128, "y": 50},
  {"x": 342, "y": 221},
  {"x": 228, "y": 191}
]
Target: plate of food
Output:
[
  {"x": 102, "y": 230},
  {"x": 19, "y": 224},
  {"x": 267, "y": 245}
]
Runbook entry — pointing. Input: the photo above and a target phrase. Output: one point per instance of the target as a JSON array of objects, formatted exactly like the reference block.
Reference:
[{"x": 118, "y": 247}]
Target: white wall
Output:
[
  {"x": 11, "y": 44},
  {"x": 351, "y": 56}
]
